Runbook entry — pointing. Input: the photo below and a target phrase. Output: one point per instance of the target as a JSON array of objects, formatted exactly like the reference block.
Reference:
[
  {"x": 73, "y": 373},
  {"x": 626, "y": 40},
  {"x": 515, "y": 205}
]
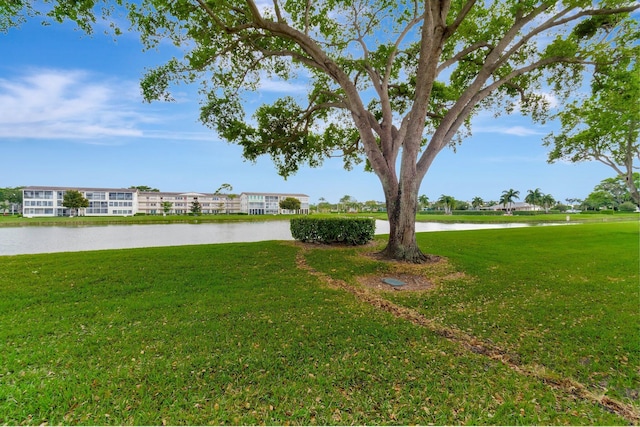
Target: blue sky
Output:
[{"x": 71, "y": 115}]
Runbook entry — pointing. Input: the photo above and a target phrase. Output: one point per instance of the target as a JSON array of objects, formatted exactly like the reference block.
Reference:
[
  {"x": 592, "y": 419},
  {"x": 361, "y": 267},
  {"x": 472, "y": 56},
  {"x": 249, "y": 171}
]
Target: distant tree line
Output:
[
  {"x": 610, "y": 193},
  {"x": 10, "y": 200}
]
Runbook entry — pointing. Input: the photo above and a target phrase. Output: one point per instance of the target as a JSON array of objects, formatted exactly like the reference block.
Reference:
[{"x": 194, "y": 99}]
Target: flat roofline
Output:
[
  {"x": 274, "y": 194},
  {"x": 34, "y": 187},
  {"x": 171, "y": 193}
]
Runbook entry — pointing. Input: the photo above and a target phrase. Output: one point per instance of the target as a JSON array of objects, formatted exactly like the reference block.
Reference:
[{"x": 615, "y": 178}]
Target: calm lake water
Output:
[{"x": 34, "y": 240}]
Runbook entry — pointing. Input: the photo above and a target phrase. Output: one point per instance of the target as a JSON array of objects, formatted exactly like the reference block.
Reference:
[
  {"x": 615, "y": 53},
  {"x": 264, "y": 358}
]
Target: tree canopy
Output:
[
  {"x": 605, "y": 126},
  {"x": 290, "y": 204},
  {"x": 507, "y": 197},
  {"x": 225, "y": 186},
  {"x": 11, "y": 194},
  {"x": 196, "y": 207},
  {"x": 447, "y": 202},
  {"x": 392, "y": 82},
  {"x": 611, "y": 192},
  {"x": 144, "y": 188},
  {"x": 534, "y": 197},
  {"x": 73, "y": 199}
]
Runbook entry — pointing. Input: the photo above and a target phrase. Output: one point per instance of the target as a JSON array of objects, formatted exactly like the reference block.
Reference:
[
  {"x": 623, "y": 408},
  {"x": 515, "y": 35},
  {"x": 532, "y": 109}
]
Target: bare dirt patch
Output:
[{"x": 416, "y": 277}]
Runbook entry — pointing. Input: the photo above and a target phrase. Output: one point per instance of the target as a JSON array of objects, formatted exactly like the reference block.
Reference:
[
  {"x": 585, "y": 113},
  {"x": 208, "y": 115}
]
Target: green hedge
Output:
[
  {"x": 468, "y": 212},
  {"x": 353, "y": 231},
  {"x": 602, "y": 212},
  {"x": 527, "y": 213}
]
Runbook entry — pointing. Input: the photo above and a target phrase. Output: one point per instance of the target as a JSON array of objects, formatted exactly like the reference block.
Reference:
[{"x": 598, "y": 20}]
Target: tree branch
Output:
[
  {"x": 451, "y": 29},
  {"x": 552, "y": 22},
  {"x": 255, "y": 12},
  {"x": 458, "y": 56},
  {"x": 460, "y": 112},
  {"x": 535, "y": 65},
  {"x": 416, "y": 19},
  {"x": 276, "y": 7},
  {"x": 306, "y": 17},
  {"x": 292, "y": 54},
  {"x": 607, "y": 161},
  {"x": 229, "y": 30}
]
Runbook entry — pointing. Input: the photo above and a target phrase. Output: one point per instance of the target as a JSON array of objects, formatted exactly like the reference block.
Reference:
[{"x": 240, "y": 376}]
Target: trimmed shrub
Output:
[
  {"x": 627, "y": 207},
  {"x": 464, "y": 212},
  {"x": 352, "y": 231},
  {"x": 479, "y": 213}
]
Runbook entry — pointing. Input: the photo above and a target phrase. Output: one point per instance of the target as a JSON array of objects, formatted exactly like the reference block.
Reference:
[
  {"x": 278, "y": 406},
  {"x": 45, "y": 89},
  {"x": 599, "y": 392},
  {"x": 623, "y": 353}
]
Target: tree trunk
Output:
[
  {"x": 628, "y": 177},
  {"x": 633, "y": 191},
  {"x": 402, "y": 206}
]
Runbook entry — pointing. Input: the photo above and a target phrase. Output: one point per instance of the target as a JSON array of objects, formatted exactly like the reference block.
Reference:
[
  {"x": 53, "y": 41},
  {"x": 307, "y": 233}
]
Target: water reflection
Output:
[{"x": 33, "y": 240}]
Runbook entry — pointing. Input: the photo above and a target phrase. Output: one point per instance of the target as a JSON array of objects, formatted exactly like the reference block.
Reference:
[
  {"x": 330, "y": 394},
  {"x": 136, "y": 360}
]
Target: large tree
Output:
[
  {"x": 73, "y": 199},
  {"x": 290, "y": 204},
  {"x": 616, "y": 190},
  {"x": 390, "y": 81},
  {"x": 605, "y": 126}
]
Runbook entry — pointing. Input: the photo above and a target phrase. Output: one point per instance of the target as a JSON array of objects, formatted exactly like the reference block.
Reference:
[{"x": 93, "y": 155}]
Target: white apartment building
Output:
[
  {"x": 47, "y": 201},
  {"x": 269, "y": 203},
  {"x": 158, "y": 203}
]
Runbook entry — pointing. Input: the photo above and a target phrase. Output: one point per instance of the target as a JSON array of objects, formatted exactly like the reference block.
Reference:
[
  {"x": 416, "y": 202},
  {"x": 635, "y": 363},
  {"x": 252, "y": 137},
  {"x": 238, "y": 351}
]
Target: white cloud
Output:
[
  {"x": 64, "y": 104},
  {"x": 509, "y": 130},
  {"x": 281, "y": 86}
]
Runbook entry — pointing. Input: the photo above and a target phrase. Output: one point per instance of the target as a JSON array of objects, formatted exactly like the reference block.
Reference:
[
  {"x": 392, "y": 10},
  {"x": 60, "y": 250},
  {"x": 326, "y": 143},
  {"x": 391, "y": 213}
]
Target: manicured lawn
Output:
[
  {"x": 566, "y": 298},
  {"x": 538, "y": 218},
  {"x": 142, "y": 219},
  {"x": 10, "y": 220},
  {"x": 239, "y": 334}
]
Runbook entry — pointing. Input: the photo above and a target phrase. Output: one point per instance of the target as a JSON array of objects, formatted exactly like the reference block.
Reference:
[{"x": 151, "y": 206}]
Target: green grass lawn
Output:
[
  {"x": 239, "y": 334},
  {"x": 15, "y": 220}
]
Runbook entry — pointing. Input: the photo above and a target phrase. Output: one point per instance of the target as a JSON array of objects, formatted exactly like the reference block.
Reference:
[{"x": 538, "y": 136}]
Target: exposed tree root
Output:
[
  {"x": 415, "y": 256},
  {"x": 475, "y": 345}
]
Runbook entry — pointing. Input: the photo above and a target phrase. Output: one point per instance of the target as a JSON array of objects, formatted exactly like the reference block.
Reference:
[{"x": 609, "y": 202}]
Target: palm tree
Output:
[
  {"x": 477, "y": 202},
  {"x": 547, "y": 202},
  {"x": 507, "y": 197},
  {"x": 349, "y": 202},
  {"x": 448, "y": 202},
  {"x": 424, "y": 201},
  {"x": 533, "y": 197}
]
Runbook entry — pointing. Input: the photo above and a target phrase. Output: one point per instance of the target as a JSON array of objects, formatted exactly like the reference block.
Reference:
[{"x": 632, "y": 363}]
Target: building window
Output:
[
  {"x": 120, "y": 196},
  {"x": 96, "y": 195},
  {"x": 38, "y": 194}
]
